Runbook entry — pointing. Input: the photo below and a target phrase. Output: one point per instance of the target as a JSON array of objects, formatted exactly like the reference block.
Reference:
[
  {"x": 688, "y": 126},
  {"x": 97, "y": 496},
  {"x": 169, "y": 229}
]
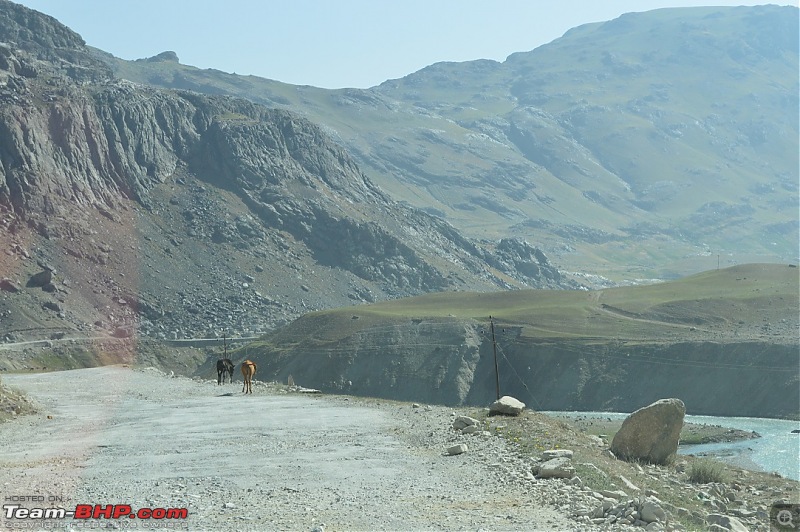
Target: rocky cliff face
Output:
[
  {"x": 450, "y": 361},
  {"x": 724, "y": 342},
  {"x": 182, "y": 214}
]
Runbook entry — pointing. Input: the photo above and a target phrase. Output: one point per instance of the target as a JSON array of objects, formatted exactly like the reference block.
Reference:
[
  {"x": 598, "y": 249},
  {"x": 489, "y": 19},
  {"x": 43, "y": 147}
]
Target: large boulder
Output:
[
  {"x": 41, "y": 279},
  {"x": 651, "y": 433},
  {"x": 507, "y": 406}
]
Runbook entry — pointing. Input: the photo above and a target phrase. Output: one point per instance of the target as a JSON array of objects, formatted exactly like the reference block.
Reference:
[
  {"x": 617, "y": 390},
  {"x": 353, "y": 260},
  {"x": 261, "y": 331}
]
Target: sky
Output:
[{"x": 334, "y": 43}]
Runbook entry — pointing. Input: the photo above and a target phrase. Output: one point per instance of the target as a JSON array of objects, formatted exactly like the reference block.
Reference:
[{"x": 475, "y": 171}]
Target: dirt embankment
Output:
[{"x": 453, "y": 362}]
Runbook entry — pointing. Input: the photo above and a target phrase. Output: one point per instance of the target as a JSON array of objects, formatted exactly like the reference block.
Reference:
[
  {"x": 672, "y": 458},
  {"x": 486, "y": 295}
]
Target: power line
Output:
[
  {"x": 538, "y": 406},
  {"x": 494, "y": 350}
]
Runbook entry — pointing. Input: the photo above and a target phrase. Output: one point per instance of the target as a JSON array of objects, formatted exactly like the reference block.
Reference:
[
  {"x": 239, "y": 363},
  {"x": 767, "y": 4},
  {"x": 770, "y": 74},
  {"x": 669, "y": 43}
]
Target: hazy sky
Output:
[{"x": 334, "y": 43}]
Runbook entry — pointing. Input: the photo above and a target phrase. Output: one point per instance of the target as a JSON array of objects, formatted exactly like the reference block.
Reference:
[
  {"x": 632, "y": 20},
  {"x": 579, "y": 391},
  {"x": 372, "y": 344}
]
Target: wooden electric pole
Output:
[{"x": 494, "y": 350}]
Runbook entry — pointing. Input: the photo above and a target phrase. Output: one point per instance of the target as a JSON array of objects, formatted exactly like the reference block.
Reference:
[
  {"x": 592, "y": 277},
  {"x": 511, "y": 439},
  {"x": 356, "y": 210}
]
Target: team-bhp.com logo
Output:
[{"x": 93, "y": 511}]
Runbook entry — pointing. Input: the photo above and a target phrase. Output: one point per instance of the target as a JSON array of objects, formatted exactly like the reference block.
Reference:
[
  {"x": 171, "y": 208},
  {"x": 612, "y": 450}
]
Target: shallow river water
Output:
[{"x": 778, "y": 449}]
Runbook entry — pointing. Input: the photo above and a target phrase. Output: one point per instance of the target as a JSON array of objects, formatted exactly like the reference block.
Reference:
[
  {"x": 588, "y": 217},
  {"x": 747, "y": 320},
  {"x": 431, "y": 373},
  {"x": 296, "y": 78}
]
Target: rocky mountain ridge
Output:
[
  {"x": 640, "y": 147},
  {"x": 180, "y": 214}
]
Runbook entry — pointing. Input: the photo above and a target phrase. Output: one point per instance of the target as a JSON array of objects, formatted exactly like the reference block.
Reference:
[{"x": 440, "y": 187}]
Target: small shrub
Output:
[{"x": 705, "y": 472}]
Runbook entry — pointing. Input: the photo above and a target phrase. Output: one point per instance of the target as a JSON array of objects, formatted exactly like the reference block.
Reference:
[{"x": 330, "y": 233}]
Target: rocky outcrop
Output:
[
  {"x": 429, "y": 360},
  {"x": 44, "y": 38},
  {"x": 519, "y": 259},
  {"x": 651, "y": 433}
]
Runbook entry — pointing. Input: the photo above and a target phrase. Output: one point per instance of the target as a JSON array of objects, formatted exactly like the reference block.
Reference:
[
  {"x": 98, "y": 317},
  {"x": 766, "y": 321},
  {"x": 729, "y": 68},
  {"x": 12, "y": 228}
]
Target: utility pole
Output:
[
  {"x": 494, "y": 350},
  {"x": 225, "y": 345}
]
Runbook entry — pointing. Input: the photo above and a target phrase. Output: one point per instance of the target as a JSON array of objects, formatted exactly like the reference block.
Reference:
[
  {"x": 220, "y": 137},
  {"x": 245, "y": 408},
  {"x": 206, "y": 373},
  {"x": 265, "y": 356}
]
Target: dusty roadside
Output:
[
  {"x": 281, "y": 461},
  {"x": 115, "y": 435}
]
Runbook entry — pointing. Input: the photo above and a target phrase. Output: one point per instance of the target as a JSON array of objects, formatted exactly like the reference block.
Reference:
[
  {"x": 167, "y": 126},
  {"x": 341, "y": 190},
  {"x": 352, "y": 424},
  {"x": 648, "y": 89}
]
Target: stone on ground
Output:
[
  {"x": 457, "y": 449},
  {"x": 651, "y": 433},
  {"x": 651, "y": 512},
  {"x": 726, "y": 522},
  {"x": 507, "y": 406},
  {"x": 556, "y": 453},
  {"x": 556, "y": 468},
  {"x": 461, "y": 422}
]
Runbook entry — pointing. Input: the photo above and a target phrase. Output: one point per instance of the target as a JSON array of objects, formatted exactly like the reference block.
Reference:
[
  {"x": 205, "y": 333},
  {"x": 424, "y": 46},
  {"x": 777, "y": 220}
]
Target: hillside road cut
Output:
[{"x": 268, "y": 461}]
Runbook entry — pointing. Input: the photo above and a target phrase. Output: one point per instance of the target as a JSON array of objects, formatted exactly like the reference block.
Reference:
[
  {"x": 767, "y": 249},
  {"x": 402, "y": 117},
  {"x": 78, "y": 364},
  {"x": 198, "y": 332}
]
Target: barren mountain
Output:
[
  {"x": 643, "y": 146},
  {"x": 182, "y": 214}
]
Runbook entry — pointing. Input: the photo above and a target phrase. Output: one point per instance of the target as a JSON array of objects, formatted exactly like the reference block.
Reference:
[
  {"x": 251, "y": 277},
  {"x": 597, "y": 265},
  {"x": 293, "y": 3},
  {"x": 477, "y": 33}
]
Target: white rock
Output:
[
  {"x": 507, "y": 405},
  {"x": 628, "y": 484},
  {"x": 462, "y": 422},
  {"x": 617, "y": 494},
  {"x": 457, "y": 449},
  {"x": 556, "y": 468},
  {"x": 556, "y": 453},
  {"x": 651, "y": 512}
]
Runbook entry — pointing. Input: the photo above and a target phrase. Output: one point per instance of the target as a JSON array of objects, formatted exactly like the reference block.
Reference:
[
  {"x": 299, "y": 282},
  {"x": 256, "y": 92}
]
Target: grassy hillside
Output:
[{"x": 731, "y": 303}]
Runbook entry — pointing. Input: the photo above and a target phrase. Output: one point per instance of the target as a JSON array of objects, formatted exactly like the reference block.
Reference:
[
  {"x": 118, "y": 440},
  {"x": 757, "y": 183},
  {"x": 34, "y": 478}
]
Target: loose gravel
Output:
[{"x": 269, "y": 461}]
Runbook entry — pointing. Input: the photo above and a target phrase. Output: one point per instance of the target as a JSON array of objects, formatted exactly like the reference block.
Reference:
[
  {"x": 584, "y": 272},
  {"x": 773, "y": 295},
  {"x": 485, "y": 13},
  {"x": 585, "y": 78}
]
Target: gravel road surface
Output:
[{"x": 268, "y": 461}]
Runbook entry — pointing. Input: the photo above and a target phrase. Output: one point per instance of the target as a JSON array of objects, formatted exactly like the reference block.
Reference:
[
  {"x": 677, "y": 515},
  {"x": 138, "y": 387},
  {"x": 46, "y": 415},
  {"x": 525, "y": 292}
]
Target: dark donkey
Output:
[{"x": 225, "y": 365}]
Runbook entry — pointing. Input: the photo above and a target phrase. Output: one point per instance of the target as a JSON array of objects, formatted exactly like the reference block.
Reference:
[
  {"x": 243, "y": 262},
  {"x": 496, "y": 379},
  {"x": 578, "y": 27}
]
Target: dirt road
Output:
[{"x": 270, "y": 461}]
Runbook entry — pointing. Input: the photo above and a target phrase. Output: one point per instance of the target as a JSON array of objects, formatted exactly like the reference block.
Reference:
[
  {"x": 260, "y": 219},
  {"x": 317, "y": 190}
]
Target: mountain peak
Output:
[{"x": 164, "y": 57}]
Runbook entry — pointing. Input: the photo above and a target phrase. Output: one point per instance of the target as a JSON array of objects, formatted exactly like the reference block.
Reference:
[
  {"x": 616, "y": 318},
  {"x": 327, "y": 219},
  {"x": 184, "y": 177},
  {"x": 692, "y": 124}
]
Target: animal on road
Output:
[
  {"x": 248, "y": 370},
  {"x": 224, "y": 367}
]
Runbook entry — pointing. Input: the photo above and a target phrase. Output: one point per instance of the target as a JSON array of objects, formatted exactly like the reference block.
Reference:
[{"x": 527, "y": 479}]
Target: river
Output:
[{"x": 776, "y": 450}]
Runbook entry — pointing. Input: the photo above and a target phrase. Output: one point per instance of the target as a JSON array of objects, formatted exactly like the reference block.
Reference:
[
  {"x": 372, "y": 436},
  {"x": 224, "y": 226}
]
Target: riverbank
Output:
[
  {"x": 606, "y": 427},
  {"x": 754, "y": 444}
]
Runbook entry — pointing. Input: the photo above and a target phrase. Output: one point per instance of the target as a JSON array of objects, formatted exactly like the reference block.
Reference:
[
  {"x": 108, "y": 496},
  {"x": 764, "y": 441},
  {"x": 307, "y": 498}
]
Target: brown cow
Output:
[{"x": 248, "y": 370}]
